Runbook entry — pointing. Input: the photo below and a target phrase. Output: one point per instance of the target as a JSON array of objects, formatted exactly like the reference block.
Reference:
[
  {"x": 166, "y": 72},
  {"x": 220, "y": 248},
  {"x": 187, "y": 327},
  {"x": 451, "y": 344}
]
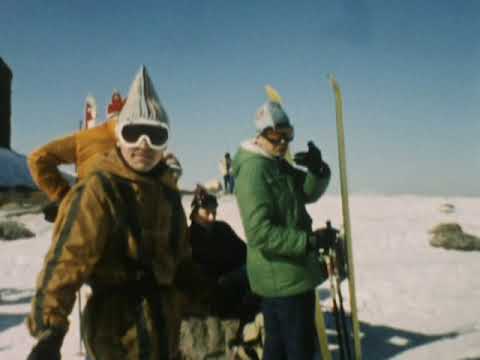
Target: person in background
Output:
[
  {"x": 282, "y": 250},
  {"x": 115, "y": 107},
  {"x": 123, "y": 231},
  {"x": 215, "y": 245},
  {"x": 90, "y": 113},
  {"x": 225, "y": 167},
  {"x": 221, "y": 255}
]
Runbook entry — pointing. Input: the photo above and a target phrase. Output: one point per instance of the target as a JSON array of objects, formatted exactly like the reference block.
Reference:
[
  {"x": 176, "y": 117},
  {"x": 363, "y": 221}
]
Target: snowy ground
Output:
[{"x": 415, "y": 301}]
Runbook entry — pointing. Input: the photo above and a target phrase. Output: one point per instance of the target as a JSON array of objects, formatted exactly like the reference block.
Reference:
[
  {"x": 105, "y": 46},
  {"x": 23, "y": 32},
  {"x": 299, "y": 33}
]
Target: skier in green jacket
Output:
[{"x": 282, "y": 249}]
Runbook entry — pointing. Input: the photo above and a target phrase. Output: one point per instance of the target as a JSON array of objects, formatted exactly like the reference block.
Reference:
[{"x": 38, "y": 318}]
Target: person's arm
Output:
[
  {"x": 189, "y": 277},
  {"x": 214, "y": 250},
  {"x": 234, "y": 250},
  {"x": 80, "y": 235},
  {"x": 313, "y": 185},
  {"x": 317, "y": 179},
  {"x": 255, "y": 201},
  {"x": 44, "y": 163}
]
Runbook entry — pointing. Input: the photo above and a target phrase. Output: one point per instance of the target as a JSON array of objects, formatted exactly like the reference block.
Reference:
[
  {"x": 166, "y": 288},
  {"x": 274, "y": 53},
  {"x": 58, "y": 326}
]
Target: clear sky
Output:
[{"x": 409, "y": 71}]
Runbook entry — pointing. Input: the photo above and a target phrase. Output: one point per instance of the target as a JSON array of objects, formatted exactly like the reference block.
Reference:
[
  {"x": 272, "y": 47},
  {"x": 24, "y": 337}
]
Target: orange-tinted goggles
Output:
[{"x": 278, "y": 136}]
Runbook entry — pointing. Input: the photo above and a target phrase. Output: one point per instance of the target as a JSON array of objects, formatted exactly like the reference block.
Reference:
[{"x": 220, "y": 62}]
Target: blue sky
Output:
[{"x": 409, "y": 71}]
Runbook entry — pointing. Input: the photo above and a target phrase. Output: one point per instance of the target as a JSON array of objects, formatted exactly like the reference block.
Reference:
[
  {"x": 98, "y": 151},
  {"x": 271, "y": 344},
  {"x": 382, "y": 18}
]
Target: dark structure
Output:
[{"x": 5, "y": 104}]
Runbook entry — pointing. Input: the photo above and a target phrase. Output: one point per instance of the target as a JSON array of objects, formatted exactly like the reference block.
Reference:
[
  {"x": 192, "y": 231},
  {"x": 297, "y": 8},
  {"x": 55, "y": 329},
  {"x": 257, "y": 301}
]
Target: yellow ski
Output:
[
  {"x": 321, "y": 329},
  {"x": 346, "y": 214}
]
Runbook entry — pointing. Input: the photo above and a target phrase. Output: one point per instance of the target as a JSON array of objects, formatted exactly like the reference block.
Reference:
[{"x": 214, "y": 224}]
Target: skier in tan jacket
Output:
[{"x": 122, "y": 230}]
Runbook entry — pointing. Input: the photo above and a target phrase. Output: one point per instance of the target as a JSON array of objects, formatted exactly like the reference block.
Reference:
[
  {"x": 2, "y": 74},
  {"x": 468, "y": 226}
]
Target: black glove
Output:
[
  {"x": 322, "y": 239},
  {"x": 311, "y": 159},
  {"x": 48, "y": 347},
  {"x": 50, "y": 211},
  {"x": 341, "y": 258}
]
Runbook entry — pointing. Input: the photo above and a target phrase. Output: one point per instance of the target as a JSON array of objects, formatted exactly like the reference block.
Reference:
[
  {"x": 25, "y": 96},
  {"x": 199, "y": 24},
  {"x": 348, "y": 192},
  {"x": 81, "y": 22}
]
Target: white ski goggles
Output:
[{"x": 132, "y": 134}]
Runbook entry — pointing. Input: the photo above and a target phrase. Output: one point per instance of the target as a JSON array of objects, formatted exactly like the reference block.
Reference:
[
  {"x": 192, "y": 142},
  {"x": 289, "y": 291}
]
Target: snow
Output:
[
  {"x": 414, "y": 301},
  {"x": 14, "y": 170}
]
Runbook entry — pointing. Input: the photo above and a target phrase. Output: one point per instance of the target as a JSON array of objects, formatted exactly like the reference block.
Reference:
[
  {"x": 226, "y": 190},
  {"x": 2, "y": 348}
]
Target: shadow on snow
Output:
[
  {"x": 11, "y": 320},
  {"x": 383, "y": 342},
  {"x": 378, "y": 341},
  {"x": 8, "y": 297}
]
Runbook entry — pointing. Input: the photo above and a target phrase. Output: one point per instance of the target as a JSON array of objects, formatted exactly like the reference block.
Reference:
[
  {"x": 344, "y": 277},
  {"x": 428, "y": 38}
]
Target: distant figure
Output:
[
  {"x": 90, "y": 112},
  {"x": 226, "y": 171},
  {"x": 116, "y": 105}
]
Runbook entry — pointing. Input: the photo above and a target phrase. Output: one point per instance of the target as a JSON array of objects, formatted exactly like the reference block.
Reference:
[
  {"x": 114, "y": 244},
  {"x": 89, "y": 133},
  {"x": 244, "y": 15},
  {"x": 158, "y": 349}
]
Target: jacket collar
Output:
[
  {"x": 250, "y": 146},
  {"x": 113, "y": 163}
]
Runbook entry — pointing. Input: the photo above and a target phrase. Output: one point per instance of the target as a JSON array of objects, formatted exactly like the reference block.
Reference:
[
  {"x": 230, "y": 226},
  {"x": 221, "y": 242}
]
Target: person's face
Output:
[
  {"x": 116, "y": 97},
  {"x": 275, "y": 141},
  {"x": 141, "y": 158},
  {"x": 205, "y": 216}
]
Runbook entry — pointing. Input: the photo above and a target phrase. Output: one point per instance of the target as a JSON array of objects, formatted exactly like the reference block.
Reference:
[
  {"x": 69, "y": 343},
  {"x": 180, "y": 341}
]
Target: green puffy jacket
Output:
[{"x": 272, "y": 195}]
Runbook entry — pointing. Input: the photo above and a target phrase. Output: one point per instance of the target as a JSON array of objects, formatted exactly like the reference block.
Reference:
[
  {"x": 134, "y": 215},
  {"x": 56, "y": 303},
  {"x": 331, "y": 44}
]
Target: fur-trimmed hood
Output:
[{"x": 248, "y": 150}]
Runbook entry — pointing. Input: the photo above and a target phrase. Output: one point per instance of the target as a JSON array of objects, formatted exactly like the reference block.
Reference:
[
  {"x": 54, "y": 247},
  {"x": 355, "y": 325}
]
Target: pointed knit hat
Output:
[
  {"x": 143, "y": 105},
  {"x": 271, "y": 113}
]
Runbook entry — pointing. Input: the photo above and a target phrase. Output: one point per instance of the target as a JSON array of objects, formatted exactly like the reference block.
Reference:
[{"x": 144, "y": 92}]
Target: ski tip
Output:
[
  {"x": 332, "y": 79},
  {"x": 333, "y": 82}
]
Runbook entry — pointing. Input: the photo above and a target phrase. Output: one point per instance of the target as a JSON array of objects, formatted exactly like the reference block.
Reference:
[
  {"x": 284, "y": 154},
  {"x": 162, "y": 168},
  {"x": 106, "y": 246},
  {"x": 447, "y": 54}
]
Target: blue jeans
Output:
[
  {"x": 290, "y": 327},
  {"x": 229, "y": 184}
]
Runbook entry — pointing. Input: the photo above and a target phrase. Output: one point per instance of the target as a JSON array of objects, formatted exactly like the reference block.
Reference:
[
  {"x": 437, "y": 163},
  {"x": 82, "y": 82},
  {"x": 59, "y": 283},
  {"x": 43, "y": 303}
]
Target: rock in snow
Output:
[
  {"x": 447, "y": 208},
  {"x": 451, "y": 236},
  {"x": 13, "y": 230}
]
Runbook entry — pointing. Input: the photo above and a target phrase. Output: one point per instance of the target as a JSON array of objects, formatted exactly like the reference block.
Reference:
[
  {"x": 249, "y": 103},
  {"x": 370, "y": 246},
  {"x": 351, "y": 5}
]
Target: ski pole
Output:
[
  {"x": 321, "y": 329},
  {"x": 336, "y": 314},
  {"x": 334, "y": 266},
  {"x": 343, "y": 318},
  {"x": 80, "y": 344},
  {"x": 79, "y": 295}
]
